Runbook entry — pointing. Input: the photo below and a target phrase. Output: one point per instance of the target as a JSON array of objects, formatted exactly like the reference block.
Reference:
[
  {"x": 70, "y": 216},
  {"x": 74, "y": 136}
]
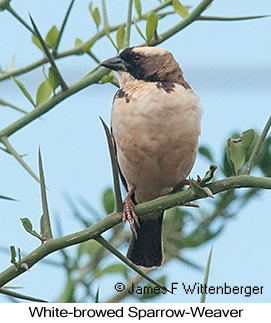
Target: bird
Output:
[{"x": 155, "y": 125}]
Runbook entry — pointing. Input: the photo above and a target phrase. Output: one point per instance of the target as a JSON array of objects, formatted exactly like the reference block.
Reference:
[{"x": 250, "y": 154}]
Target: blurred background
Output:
[{"x": 228, "y": 66}]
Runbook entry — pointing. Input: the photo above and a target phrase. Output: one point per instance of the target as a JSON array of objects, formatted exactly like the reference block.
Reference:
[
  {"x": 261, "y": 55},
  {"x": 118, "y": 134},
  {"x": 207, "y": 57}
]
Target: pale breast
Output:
[{"x": 156, "y": 133}]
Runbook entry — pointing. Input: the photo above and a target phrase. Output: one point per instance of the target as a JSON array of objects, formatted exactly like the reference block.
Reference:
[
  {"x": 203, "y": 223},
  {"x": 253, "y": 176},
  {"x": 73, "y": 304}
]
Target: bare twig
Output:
[
  {"x": 128, "y": 25},
  {"x": 63, "y": 27},
  {"x": 8, "y": 292}
]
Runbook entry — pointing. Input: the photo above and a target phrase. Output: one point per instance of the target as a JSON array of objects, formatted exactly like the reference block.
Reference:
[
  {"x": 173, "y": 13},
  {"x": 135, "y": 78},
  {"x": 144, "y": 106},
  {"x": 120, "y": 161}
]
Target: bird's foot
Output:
[
  {"x": 128, "y": 214},
  {"x": 185, "y": 182}
]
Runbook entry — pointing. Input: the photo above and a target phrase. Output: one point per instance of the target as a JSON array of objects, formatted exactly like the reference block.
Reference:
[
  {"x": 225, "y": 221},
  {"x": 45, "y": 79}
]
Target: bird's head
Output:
[{"x": 150, "y": 64}]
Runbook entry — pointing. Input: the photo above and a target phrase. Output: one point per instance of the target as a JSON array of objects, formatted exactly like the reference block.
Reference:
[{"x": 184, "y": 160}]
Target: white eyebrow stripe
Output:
[{"x": 149, "y": 51}]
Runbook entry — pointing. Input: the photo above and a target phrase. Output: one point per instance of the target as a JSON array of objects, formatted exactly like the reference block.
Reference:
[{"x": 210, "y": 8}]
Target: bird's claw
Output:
[{"x": 129, "y": 215}]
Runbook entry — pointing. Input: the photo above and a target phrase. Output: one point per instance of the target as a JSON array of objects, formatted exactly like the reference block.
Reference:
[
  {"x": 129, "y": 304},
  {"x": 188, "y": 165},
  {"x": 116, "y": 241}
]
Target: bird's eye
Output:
[{"x": 136, "y": 58}]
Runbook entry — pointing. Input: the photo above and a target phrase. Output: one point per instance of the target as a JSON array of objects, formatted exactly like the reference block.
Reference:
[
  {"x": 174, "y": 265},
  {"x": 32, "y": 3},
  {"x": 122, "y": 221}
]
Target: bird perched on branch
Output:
[{"x": 155, "y": 125}]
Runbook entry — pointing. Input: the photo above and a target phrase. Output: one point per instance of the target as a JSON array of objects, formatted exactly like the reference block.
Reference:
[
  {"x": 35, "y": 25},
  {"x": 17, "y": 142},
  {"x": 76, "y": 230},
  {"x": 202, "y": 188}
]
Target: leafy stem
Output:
[
  {"x": 52, "y": 245},
  {"x": 257, "y": 148},
  {"x": 184, "y": 23}
]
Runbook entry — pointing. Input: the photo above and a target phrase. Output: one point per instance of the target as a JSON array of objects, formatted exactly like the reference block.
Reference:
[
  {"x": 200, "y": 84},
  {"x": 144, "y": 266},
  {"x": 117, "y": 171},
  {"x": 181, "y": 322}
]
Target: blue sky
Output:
[{"x": 228, "y": 66}]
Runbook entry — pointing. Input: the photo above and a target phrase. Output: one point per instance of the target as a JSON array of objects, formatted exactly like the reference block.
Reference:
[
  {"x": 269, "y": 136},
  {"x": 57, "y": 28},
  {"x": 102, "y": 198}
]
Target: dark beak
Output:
[{"x": 115, "y": 63}]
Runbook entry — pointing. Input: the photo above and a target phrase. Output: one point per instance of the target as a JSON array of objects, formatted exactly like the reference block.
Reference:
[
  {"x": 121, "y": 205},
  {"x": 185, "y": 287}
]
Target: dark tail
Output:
[{"x": 146, "y": 250}]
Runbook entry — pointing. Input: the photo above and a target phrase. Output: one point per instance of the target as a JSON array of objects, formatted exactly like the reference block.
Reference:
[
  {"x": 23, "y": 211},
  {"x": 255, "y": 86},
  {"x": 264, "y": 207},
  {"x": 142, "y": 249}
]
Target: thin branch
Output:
[
  {"x": 10, "y": 105},
  {"x": 94, "y": 57},
  {"x": 160, "y": 7},
  {"x": 46, "y": 231},
  {"x": 105, "y": 18},
  {"x": 4, "y": 197},
  {"x": 49, "y": 56},
  {"x": 115, "y": 252},
  {"x": 111, "y": 220},
  {"x": 42, "y": 109},
  {"x": 20, "y": 19},
  {"x": 114, "y": 164},
  {"x": 133, "y": 282},
  {"x": 77, "y": 50},
  {"x": 106, "y": 25},
  {"x": 184, "y": 23},
  {"x": 50, "y": 262},
  {"x": 40, "y": 62},
  {"x": 52, "y": 102},
  {"x": 63, "y": 27},
  {"x": 14, "y": 153},
  {"x": 128, "y": 25},
  {"x": 255, "y": 152},
  {"x": 10, "y": 293},
  {"x": 215, "y": 18},
  {"x": 190, "y": 263},
  {"x": 80, "y": 50},
  {"x": 206, "y": 275}
]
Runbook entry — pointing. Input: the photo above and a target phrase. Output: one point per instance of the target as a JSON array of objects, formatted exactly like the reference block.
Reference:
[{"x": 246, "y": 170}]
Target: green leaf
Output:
[
  {"x": 36, "y": 41},
  {"x": 95, "y": 13},
  {"x": 238, "y": 149},
  {"x": 29, "y": 228},
  {"x": 112, "y": 269},
  {"x": 174, "y": 223},
  {"x": 27, "y": 224},
  {"x": 52, "y": 36},
  {"x": 174, "y": 220},
  {"x": 78, "y": 42},
  {"x": 24, "y": 90},
  {"x": 138, "y": 7},
  {"x": 88, "y": 248},
  {"x": 97, "y": 17},
  {"x": 200, "y": 191},
  {"x": 151, "y": 26},
  {"x": 13, "y": 255},
  {"x": 53, "y": 78},
  {"x": 180, "y": 9},
  {"x": 109, "y": 201},
  {"x": 44, "y": 92},
  {"x": 120, "y": 37},
  {"x": 252, "y": 143},
  {"x": 200, "y": 235},
  {"x": 68, "y": 293},
  {"x": 47, "y": 53}
]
